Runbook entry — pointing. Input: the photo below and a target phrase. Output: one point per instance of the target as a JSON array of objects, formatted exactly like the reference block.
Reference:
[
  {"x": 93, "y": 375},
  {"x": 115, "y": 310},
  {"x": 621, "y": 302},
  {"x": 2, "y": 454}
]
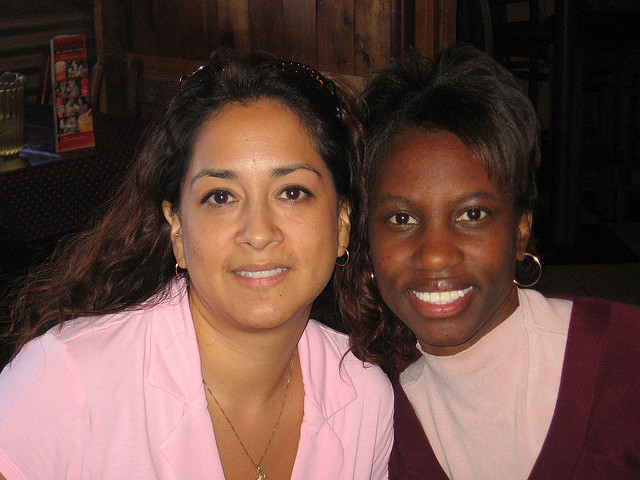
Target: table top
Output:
[{"x": 53, "y": 194}]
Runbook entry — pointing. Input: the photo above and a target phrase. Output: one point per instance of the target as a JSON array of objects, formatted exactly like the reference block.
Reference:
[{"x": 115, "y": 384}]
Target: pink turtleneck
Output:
[{"x": 486, "y": 411}]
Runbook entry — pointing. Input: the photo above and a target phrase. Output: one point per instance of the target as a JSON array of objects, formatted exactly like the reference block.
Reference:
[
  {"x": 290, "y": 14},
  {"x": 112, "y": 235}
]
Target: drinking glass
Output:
[{"x": 11, "y": 114}]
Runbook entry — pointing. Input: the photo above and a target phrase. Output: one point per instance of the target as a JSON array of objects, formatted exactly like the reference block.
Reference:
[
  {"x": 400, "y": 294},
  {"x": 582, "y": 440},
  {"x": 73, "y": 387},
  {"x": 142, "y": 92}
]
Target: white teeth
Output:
[
  {"x": 261, "y": 273},
  {"x": 441, "y": 298}
]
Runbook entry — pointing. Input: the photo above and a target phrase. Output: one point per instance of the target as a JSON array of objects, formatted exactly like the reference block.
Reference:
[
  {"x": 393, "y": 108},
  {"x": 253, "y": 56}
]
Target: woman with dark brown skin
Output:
[
  {"x": 174, "y": 340},
  {"x": 492, "y": 380}
]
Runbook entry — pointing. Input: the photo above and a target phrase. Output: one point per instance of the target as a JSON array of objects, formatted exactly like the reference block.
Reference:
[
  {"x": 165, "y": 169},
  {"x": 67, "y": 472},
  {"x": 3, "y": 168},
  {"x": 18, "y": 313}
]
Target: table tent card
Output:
[{"x": 70, "y": 80}]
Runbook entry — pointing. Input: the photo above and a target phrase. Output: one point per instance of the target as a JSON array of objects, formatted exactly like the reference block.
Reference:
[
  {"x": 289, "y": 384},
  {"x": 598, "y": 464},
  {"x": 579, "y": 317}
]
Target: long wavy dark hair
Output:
[
  {"x": 462, "y": 91},
  {"x": 126, "y": 260}
]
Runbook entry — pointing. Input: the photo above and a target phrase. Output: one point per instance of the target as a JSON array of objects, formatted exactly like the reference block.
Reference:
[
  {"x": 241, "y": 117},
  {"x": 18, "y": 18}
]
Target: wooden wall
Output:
[
  {"x": 347, "y": 36},
  {"x": 350, "y": 37}
]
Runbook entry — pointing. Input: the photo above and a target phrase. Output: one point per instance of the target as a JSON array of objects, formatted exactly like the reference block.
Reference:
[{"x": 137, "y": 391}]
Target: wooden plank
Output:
[
  {"x": 336, "y": 36},
  {"x": 403, "y": 22},
  {"x": 166, "y": 67},
  {"x": 233, "y": 25},
  {"x": 372, "y": 47},
  {"x": 141, "y": 30},
  {"x": 426, "y": 27},
  {"x": 300, "y": 31},
  {"x": 182, "y": 29},
  {"x": 38, "y": 20},
  {"x": 109, "y": 15},
  {"x": 18, "y": 8},
  {"x": 435, "y": 25},
  {"x": 446, "y": 24},
  {"x": 210, "y": 25},
  {"x": 266, "y": 26},
  {"x": 168, "y": 27}
]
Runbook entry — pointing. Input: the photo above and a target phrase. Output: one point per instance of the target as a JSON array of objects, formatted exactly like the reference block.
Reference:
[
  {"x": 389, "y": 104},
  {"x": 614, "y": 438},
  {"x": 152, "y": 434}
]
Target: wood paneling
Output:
[
  {"x": 300, "y": 30},
  {"x": 346, "y": 36},
  {"x": 18, "y": 8},
  {"x": 435, "y": 25},
  {"x": 233, "y": 25},
  {"x": 349, "y": 37},
  {"x": 336, "y": 35},
  {"x": 266, "y": 28},
  {"x": 372, "y": 46},
  {"x": 170, "y": 28}
]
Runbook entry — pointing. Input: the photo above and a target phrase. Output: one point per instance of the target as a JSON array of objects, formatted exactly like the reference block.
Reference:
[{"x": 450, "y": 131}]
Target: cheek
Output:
[
  {"x": 496, "y": 259},
  {"x": 201, "y": 239},
  {"x": 387, "y": 261}
]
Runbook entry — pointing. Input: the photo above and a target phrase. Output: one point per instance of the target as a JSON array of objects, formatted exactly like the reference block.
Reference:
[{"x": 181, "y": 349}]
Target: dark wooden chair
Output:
[{"x": 522, "y": 46}]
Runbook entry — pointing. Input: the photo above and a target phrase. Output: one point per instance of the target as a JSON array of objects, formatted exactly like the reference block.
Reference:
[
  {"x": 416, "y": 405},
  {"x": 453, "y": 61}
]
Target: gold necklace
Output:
[{"x": 260, "y": 474}]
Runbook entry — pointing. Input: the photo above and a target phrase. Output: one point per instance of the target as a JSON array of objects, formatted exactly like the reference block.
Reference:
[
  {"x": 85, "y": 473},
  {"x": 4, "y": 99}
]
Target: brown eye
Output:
[
  {"x": 220, "y": 197},
  {"x": 295, "y": 193},
  {"x": 472, "y": 215},
  {"x": 292, "y": 193},
  {"x": 402, "y": 218}
]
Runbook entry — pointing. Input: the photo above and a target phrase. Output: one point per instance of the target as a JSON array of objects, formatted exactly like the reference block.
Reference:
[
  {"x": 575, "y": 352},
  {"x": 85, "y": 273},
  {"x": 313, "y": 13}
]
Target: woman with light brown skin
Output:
[{"x": 174, "y": 339}]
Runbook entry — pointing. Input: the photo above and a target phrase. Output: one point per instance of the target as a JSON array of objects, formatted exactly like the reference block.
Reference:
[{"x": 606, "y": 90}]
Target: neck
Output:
[{"x": 247, "y": 367}]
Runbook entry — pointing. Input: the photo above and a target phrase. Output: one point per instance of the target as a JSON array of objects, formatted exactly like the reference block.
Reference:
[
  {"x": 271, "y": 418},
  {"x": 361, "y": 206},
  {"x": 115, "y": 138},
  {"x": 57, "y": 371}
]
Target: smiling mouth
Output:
[
  {"x": 441, "y": 298},
  {"x": 261, "y": 273}
]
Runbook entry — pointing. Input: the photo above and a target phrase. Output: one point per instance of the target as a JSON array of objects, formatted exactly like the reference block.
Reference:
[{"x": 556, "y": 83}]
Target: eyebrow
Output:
[
  {"x": 391, "y": 199},
  {"x": 230, "y": 174},
  {"x": 209, "y": 172},
  {"x": 385, "y": 199},
  {"x": 282, "y": 171}
]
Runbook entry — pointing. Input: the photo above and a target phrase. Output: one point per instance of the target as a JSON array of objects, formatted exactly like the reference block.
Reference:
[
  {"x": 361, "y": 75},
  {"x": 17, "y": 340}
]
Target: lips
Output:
[
  {"x": 441, "y": 298},
  {"x": 441, "y": 304},
  {"x": 260, "y": 276},
  {"x": 261, "y": 273}
]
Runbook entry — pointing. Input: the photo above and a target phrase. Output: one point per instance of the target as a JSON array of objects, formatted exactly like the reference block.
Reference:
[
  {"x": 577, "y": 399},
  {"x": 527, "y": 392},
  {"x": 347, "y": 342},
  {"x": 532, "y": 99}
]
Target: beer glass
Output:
[{"x": 11, "y": 113}]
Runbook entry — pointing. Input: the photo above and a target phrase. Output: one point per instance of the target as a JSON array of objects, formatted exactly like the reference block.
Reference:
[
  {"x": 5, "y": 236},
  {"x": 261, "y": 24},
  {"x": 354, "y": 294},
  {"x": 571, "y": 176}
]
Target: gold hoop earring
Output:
[
  {"x": 346, "y": 260},
  {"x": 181, "y": 272},
  {"x": 537, "y": 262}
]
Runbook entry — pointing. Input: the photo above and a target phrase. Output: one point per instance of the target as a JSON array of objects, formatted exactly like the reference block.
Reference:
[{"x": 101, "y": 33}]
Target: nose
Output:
[
  {"x": 258, "y": 226},
  {"x": 437, "y": 250}
]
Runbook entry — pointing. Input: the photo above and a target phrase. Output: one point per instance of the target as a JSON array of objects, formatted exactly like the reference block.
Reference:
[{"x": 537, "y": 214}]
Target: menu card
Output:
[{"x": 70, "y": 80}]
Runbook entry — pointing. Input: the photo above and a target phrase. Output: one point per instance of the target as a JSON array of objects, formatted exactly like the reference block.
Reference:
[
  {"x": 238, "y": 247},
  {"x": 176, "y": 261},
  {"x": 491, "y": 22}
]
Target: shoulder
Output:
[
  {"x": 40, "y": 367},
  {"x": 42, "y": 398},
  {"x": 81, "y": 348},
  {"x": 594, "y": 316},
  {"x": 121, "y": 333},
  {"x": 51, "y": 367}
]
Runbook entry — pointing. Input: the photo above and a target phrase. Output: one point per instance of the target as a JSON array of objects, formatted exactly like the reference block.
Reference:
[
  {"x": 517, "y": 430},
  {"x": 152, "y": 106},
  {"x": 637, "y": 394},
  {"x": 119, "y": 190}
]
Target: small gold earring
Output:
[
  {"x": 181, "y": 272},
  {"x": 342, "y": 263}
]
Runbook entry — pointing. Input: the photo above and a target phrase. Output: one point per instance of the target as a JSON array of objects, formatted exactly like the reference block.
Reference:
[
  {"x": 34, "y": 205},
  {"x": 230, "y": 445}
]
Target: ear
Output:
[
  {"x": 523, "y": 234},
  {"x": 176, "y": 234},
  {"x": 344, "y": 227}
]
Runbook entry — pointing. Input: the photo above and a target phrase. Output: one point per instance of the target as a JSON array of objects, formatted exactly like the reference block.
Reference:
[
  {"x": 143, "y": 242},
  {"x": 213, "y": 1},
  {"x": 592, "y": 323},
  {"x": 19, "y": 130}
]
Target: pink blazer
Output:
[{"x": 121, "y": 396}]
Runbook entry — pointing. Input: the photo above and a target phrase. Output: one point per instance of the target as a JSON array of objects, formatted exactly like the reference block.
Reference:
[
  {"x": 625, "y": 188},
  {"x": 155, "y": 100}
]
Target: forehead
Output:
[
  {"x": 241, "y": 135},
  {"x": 430, "y": 153}
]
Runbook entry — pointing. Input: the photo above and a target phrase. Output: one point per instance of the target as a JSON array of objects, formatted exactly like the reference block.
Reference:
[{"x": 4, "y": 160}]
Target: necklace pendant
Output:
[{"x": 261, "y": 474}]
